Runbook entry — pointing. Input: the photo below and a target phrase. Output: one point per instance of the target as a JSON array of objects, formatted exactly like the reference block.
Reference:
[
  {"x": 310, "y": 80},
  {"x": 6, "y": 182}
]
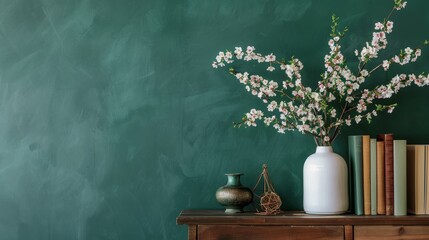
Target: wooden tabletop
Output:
[{"x": 200, "y": 217}]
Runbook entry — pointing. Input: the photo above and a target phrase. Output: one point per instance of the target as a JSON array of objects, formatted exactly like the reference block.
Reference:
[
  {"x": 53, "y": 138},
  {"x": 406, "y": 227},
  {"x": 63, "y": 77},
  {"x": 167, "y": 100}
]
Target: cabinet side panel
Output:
[{"x": 192, "y": 232}]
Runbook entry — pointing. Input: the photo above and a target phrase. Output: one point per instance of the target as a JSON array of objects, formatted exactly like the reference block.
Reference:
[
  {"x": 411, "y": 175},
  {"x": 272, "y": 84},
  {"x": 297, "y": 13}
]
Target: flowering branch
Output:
[{"x": 338, "y": 98}]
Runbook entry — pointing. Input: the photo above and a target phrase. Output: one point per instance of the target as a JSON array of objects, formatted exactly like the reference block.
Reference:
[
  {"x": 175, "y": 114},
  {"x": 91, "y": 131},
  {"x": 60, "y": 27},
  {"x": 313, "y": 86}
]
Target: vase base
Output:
[
  {"x": 233, "y": 210},
  {"x": 325, "y": 213}
]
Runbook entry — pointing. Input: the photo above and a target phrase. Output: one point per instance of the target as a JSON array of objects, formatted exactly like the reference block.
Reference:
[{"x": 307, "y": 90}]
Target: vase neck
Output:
[
  {"x": 233, "y": 179},
  {"x": 324, "y": 149}
]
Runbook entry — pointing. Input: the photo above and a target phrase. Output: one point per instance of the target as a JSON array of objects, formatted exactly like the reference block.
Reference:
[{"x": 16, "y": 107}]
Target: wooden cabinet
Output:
[
  {"x": 391, "y": 232},
  {"x": 237, "y": 232},
  {"x": 216, "y": 225}
]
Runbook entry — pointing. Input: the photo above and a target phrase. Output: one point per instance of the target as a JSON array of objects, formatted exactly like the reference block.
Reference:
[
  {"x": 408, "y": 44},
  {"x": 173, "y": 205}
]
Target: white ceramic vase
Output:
[{"x": 325, "y": 183}]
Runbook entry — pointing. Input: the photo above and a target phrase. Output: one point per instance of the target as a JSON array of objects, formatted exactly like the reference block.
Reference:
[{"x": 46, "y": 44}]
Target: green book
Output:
[
  {"x": 373, "y": 146},
  {"x": 355, "y": 161},
  {"x": 400, "y": 177}
]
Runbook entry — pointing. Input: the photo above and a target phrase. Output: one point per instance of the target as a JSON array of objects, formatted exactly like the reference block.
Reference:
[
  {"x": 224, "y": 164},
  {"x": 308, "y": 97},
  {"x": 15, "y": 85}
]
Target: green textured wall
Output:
[{"x": 112, "y": 120}]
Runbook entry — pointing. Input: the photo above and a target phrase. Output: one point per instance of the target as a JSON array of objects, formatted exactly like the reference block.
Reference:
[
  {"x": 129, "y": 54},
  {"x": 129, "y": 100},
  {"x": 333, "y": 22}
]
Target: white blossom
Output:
[
  {"x": 252, "y": 116},
  {"x": 364, "y": 73},
  {"x": 270, "y": 58},
  {"x": 379, "y": 26},
  {"x": 348, "y": 122},
  {"x": 238, "y": 52},
  {"x": 272, "y": 106},
  {"x": 358, "y": 118},
  {"x": 250, "y": 49},
  {"x": 269, "y": 120},
  {"x": 386, "y": 65}
]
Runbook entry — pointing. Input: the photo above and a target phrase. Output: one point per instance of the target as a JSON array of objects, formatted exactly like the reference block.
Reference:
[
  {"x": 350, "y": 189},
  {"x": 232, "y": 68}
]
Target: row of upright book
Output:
[{"x": 387, "y": 176}]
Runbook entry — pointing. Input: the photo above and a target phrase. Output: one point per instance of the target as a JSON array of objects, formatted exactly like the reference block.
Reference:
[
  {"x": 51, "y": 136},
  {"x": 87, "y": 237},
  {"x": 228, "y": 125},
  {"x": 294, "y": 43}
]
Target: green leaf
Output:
[{"x": 378, "y": 107}]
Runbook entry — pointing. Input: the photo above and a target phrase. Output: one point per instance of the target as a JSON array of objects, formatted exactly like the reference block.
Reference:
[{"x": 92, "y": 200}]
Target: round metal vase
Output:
[{"x": 233, "y": 195}]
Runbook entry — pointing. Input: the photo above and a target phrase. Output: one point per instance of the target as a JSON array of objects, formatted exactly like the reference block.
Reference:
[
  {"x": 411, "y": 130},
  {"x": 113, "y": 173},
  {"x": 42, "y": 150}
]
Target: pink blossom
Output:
[
  {"x": 238, "y": 52},
  {"x": 270, "y": 58},
  {"x": 348, "y": 122},
  {"x": 386, "y": 65},
  {"x": 389, "y": 26},
  {"x": 418, "y": 52},
  {"x": 379, "y": 26},
  {"x": 269, "y": 120}
]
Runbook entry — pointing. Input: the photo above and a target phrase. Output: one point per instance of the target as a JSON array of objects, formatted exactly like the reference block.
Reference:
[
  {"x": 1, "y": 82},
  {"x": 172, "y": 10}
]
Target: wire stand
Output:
[{"x": 270, "y": 201}]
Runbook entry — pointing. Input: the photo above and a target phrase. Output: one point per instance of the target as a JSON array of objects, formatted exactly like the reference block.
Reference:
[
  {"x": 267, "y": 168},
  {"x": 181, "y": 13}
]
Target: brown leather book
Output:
[
  {"x": 388, "y": 169},
  {"x": 381, "y": 192},
  {"x": 416, "y": 179},
  {"x": 366, "y": 161}
]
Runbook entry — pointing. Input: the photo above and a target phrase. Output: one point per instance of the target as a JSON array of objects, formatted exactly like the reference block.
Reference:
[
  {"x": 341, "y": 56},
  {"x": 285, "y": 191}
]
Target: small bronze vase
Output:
[{"x": 233, "y": 195}]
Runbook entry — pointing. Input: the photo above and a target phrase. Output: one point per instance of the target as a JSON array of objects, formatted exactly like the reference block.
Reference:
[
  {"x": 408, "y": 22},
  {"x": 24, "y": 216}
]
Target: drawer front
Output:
[
  {"x": 236, "y": 232},
  {"x": 391, "y": 232}
]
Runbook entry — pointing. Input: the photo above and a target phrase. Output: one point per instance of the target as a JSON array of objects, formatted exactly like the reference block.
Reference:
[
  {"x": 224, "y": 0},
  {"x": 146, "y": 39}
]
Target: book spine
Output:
[
  {"x": 416, "y": 179},
  {"x": 420, "y": 179},
  {"x": 400, "y": 177},
  {"x": 411, "y": 179},
  {"x": 373, "y": 147},
  {"x": 381, "y": 198},
  {"x": 355, "y": 159},
  {"x": 366, "y": 164},
  {"x": 388, "y": 176},
  {"x": 427, "y": 179}
]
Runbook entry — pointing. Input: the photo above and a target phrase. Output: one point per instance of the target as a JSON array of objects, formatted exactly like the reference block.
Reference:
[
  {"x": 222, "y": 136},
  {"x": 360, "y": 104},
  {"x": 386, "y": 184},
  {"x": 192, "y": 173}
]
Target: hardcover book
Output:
[
  {"x": 400, "y": 177},
  {"x": 355, "y": 160},
  {"x": 416, "y": 179},
  {"x": 381, "y": 193},
  {"x": 373, "y": 148},
  {"x": 366, "y": 164},
  {"x": 388, "y": 168}
]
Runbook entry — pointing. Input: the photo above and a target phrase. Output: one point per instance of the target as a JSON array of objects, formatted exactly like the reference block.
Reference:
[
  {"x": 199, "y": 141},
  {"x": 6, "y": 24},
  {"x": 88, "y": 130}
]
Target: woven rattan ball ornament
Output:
[{"x": 270, "y": 203}]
